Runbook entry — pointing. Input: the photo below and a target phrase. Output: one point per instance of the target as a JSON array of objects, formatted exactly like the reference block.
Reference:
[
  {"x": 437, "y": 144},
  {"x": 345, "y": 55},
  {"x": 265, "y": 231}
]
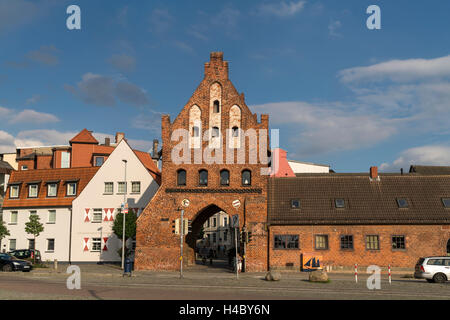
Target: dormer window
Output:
[
  {"x": 99, "y": 161},
  {"x": 52, "y": 189},
  {"x": 295, "y": 204},
  {"x": 402, "y": 203},
  {"x": 33, "y": 190},
  {"x": 71, "y": 188},
  {"x": 216, "y": 106},
  {"x": 14, "y": 191},
  {"x": 446, "y": 202}
]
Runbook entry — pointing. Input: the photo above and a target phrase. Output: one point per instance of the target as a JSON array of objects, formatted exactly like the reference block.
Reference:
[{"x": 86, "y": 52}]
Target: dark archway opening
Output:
[{"x": 210, "y": 240}]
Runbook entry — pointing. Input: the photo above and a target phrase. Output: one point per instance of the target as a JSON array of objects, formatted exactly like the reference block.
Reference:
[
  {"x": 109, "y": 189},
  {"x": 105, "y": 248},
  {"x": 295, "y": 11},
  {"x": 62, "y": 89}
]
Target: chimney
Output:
[
  {"x": 107, "y": 142},
  {"x": 155, "y": 149},
  {"x": 401, "y": 171},
  {"x": 119, "y": 137},
  {"x": 374, "y": 173}
]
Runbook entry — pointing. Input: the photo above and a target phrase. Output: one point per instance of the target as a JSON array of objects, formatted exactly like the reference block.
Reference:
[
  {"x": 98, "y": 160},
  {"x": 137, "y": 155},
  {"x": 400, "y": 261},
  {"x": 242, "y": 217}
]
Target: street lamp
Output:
[{"x": 123, "y": 213}]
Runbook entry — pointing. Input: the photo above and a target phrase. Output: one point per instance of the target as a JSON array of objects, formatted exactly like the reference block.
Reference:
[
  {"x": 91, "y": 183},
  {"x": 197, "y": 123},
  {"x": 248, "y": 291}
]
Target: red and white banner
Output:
[
  {"x": 108, "y": 214},
  {"x": 85, "y": 244},
  {"x": 105, "y": 248},
  {"x": 86, "y": 215}
]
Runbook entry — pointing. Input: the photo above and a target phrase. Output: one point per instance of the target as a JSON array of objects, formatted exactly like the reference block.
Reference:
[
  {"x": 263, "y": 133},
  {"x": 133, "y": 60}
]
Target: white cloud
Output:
[
  {"x": 399, "y": 70},
  {"x": 123, "y": 62},
  {"x": 435, "y": 155},
  {"x": 281, "y": 9},
  {"x": 160, "y": 20},
  {"x": 44, "y": 55},
  {"x": 35, "y": 98},
  {"x": 32, "y": 116},
  {"x": 317, "y": 128},
  {"x": 6, "y": 142}
]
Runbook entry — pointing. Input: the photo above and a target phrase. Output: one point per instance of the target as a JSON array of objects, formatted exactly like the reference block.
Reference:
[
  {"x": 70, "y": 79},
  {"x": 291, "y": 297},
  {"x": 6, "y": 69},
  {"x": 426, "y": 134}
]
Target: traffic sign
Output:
[
  {"x": 236, "y": 204},
  {"x": 235, "y": 221},
  {"x": 185, "y": 203},
  {"x": 125, "y": 210}
]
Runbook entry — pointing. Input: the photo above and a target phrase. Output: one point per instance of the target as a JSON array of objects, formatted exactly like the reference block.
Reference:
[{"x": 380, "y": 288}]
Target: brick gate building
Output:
[{"x": 214, "y": 124}]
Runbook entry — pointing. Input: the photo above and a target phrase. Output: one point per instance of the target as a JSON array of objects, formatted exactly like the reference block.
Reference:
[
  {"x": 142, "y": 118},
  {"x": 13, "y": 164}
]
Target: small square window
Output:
[
  {"x": 109, "y": 187},
  {"x": 97, "y": 216},
  {"x": 121, "y": 187},
  {"x": 398, "y": 242},
  {"x": 321, "y": 242},
  {"x": 96, "y": 244},
  {"x": 12, "y": 244},
  {"x": 13, "y": 219},
  {"x": 402, "y": 203},
  {"x": 339, "y": 203},
  {"x": 347, "y": 242},
  {"x": 372, "y": 242},
  {"x": 446, "y": 202},
  {"x": 295, "y": 204},
  {"x": 136, "y": 187}
]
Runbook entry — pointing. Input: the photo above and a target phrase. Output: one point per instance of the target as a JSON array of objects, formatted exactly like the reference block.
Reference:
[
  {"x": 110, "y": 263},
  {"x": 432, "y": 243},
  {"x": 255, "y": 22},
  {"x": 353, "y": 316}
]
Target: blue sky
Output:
[{"x": 340, "y": 94}]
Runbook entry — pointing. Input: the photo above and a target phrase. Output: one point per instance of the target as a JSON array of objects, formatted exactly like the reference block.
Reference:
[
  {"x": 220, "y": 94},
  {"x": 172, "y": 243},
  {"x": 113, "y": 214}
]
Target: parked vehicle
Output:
[
  {"x": 9, "y": 263},
  {"x": 26, "y": 254},
  {"x": 433, "y": 269}
]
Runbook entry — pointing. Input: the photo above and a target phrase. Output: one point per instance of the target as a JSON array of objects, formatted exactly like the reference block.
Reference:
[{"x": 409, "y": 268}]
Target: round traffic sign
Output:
[
  {"x": 185, "y": 203},
  {"x": 236, "y": 204}
]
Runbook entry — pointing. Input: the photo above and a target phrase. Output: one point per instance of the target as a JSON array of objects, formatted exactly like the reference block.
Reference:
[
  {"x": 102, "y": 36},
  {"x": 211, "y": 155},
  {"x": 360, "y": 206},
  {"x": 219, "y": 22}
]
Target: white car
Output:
[{"x": 433, "y": 269}]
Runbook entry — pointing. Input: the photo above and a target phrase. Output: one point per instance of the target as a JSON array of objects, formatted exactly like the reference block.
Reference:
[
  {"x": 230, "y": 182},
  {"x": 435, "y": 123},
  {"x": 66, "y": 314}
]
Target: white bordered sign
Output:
[
  {"x": 236, "y": 204},
  {"x": 185, "y": 203}
]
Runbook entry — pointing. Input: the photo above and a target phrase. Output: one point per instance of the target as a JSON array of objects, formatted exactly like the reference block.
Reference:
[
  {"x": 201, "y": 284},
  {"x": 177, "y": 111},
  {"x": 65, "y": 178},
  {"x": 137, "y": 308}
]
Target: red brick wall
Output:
[
  {"x": 44, "y": 162},
  {"x": 420, "y": 241},
  {"x": 29, "y": 163},
  {"x": 157, "y": 247}
]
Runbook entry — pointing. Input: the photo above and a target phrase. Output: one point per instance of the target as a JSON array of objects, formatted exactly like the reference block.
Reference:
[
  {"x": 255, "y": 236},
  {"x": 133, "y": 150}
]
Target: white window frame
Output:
[
  {"x": 112, "y": 188},
  {"x": 48, "y": 190},
  {"x": 15, "y": 244},
  {"x": 133, "y": 184},
  {"x": 96, "y": 242},
  {"x": 68, "y": 188},
  {"x": 14, "y": 187},
  {"x": 118, "y": 187},
  {"x": 30, "y": 188},
  {"x": 98, "y": 211},
  {"x": 48, "y": 242},
  {"x": 49, "y": 215},
  {"x": 16, "y": 214}
]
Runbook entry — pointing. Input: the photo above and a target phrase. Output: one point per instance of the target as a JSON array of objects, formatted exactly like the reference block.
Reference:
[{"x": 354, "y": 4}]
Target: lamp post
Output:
[{"x": 123, "y": 213}]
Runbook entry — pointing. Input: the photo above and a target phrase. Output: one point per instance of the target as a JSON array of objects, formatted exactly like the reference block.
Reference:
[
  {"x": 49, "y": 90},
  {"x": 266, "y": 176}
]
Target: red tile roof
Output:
[
  {"x": 82, "y": 175},
  {"x": 147, "y": 161},
  {"x": 84, "y": 136}
]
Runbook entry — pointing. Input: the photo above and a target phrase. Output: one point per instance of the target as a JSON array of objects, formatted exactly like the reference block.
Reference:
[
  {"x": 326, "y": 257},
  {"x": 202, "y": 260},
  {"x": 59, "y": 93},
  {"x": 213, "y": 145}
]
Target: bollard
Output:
[
  {"x": 55, "y": 262},
  {"x": 356, "y": 272},
  {"x": 389, "y": 271}
]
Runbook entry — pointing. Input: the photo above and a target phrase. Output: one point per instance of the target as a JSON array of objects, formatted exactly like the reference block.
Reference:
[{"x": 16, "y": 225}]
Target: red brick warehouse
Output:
[{"x": 214, "y": 110}]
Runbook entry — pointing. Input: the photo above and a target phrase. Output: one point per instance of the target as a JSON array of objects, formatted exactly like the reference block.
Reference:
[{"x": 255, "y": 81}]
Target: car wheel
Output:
[
  {"x": 439, "y": 278},
  {"x": 7, "y": 268}
]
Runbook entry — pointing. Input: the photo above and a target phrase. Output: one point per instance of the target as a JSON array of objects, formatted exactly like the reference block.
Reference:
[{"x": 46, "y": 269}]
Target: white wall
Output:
[
  {"x": 59, "y": 231},
  {"x": 304, "y": 167},
  {"x": 93, "y": 197}
]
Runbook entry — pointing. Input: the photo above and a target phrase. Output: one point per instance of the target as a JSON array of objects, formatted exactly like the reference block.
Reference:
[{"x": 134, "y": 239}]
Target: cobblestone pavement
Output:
[{"x": 205, "y": 283}]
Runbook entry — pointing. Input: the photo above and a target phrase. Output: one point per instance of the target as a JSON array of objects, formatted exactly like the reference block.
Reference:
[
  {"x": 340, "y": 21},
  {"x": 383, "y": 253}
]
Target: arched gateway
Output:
[{"x": 224, "y": 159}]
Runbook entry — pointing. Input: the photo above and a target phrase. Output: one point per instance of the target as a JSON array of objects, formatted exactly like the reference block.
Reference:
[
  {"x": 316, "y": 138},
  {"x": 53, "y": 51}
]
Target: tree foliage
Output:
[
  {"x": 33, "y": 226},
  {"x": 130, "y": 225},
  {"x": 3, "y": 230}
]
